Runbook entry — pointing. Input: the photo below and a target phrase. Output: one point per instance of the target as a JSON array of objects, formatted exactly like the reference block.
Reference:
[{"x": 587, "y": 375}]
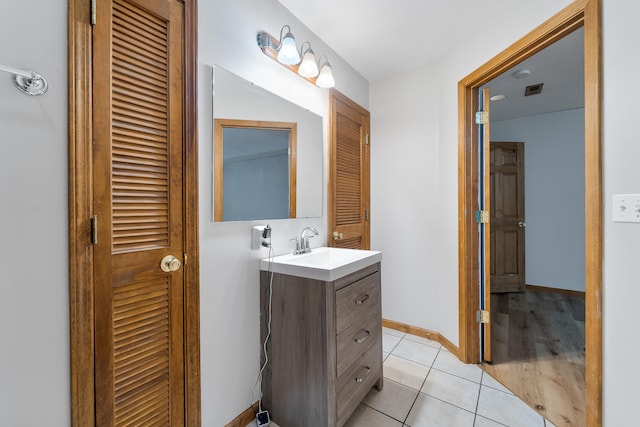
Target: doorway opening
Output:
[
  {"x": 537, "y": 334},
  {"x": 581, "y": 13}
]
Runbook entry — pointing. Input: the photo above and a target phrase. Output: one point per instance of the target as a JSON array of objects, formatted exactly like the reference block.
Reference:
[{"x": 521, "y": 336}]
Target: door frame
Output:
[
  {"x": 580, "y": 13},
  {"x": 81, "y": 284}
]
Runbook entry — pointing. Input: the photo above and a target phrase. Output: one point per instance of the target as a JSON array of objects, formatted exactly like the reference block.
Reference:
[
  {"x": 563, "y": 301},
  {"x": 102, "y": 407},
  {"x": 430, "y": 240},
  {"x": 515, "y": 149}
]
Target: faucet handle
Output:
[{"x": 298, "y": 249}]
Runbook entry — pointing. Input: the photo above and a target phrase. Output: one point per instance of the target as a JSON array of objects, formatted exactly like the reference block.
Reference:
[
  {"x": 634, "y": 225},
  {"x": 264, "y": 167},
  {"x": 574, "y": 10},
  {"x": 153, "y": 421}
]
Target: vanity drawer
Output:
[
  {"x": 356, "y": 382},
  {"x": 356, "y": 339},
  {"x": 357, "y": 300}
]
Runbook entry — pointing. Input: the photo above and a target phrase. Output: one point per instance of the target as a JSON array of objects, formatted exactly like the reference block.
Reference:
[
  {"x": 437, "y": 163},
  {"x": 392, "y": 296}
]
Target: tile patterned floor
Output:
[{"x": 425, "y": 385}]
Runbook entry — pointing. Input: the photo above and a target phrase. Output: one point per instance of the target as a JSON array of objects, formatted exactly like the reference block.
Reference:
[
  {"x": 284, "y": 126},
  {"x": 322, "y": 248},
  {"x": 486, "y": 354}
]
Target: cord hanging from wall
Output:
[{"x": 27, "y": 81}]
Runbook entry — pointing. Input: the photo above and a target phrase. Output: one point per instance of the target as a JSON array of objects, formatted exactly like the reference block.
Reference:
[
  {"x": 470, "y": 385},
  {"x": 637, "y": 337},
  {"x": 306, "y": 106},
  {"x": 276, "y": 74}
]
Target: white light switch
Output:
[{"x": 626, "y": 208}]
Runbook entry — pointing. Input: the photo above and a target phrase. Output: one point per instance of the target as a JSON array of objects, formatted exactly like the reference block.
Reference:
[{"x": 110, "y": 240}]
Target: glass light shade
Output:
[
  {"x": 287, "y": 51},
  {"x": 308, "y": 66},
  {"x": 325, "y": 78}
]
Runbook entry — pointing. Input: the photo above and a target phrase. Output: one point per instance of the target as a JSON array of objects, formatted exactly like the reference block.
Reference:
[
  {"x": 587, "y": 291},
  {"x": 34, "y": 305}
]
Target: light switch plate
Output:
[{"x": 626, "y": 208}]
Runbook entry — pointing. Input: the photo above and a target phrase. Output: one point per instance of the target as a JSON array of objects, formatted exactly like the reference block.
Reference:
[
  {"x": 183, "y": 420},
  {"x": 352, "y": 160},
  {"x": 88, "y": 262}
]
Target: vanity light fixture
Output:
[
  {"x": 308, "y": 66},
  {"x": 325, "y": 78},
  {"x": 287, "y": 49},
  {"x": 301, "y": 62}
]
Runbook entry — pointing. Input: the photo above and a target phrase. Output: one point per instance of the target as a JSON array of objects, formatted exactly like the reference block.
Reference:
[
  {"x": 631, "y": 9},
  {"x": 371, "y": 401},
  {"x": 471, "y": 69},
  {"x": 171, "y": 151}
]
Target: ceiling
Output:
[{"x": 395, "y": 36}]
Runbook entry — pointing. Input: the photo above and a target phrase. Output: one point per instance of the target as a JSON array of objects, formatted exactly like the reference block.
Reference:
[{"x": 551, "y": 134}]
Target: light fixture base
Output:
[{"x": 34, "y": 85}]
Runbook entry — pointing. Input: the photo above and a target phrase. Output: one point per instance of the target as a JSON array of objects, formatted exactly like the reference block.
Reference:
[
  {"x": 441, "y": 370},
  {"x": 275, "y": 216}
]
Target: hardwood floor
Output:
[{"x": 538, "y": 349}]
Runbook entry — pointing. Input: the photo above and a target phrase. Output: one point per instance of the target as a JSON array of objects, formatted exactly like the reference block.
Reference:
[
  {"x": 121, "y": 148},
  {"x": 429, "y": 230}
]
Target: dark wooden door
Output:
[
  {"x": 507, "y": 217},
  {"x": 138, "y": 113},
  {"x": 349, "y": 174}
]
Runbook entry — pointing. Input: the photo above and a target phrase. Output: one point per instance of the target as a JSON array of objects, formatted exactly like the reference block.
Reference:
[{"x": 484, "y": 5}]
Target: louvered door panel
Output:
[
  {"x": 138, "y": 174},
  {"x": 141, "y": 353},
  {"x": 140, "y": 130},
  {"x": 349, "y": 184},
  {"x": 349, "y": 179}
]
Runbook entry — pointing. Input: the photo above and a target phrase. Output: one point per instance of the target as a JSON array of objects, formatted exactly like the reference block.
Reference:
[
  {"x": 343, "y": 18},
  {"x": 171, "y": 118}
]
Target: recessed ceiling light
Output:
[
  {"x": 498, "y": 97},
  {"x": 521, "y": 74}
]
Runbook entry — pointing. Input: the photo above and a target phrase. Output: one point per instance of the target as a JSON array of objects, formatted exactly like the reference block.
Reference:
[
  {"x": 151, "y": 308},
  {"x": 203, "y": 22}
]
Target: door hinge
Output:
[
  {"x": 482, "y": 117},
  {"x": 94, "y": 229},
  {"x": 184, "y": 260},
  {"x": 366, "y": 214},
  {"x": 93, "y": 12},
  {"x": 482, "y": 217},
  {"x": 366, "y": 139},
  {"x": 482, "y": 316}
]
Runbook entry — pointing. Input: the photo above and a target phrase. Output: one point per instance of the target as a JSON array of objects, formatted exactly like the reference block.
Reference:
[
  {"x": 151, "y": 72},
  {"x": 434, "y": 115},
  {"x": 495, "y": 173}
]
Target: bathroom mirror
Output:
[{"x": 268, "y": 153}]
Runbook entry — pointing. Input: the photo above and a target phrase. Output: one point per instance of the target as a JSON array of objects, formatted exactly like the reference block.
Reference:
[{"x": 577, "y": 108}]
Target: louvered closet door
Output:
[
  {"x": 137, "y": 170},
  {"x": 349, "y": 179}
]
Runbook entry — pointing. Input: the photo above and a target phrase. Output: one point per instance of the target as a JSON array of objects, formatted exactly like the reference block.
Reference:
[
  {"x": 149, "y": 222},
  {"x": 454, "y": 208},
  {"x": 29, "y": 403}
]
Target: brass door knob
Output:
[
  {"x": 337, "y": 236},
  {"x": 170, "y": 263}
]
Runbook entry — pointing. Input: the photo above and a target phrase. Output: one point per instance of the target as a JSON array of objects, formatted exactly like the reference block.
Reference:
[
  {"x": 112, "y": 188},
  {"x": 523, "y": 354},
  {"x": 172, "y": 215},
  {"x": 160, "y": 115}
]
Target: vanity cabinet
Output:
[{"x": 325, "y": 349}]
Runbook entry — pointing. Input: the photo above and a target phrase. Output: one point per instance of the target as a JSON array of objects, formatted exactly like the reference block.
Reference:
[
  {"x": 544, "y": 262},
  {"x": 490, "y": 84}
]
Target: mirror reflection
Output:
[
  {"x": 267, "y": 154},
  {"x": 247, "y": 152}
]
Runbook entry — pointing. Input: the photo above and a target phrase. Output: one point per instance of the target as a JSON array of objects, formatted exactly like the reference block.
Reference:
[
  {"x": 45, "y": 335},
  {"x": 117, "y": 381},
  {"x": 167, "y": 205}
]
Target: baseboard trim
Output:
[
  {"x": 424, "y": 333},
  {"x": 245, "y": 418},
  {"x": 537, "y": 288}
]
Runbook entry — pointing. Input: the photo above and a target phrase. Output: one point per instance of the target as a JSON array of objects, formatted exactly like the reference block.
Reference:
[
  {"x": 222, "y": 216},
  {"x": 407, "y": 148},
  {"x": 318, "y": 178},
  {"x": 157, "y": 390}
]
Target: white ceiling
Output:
[
  {"x": 379, "y": 38},
  {"x": 560, "y": 67}
]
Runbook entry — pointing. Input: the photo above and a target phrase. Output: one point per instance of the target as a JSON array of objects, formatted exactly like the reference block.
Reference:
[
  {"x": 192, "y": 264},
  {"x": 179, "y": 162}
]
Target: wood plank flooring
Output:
[{"x": 538, "y": 349}]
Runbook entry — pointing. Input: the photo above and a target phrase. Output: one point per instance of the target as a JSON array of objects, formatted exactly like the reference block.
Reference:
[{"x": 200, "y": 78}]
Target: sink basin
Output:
[{"x": 326, "y": 264}]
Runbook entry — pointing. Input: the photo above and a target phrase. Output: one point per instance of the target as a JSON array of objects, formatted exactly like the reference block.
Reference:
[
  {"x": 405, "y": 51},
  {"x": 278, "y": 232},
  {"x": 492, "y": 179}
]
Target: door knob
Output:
[
  {"x": 170, "y": 263},
  {"x": 337, "y": 236},
  {"x": 522, "y": 224}
]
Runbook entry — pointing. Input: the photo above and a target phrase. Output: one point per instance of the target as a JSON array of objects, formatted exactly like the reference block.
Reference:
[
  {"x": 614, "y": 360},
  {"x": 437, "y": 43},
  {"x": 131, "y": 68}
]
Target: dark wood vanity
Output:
[{"x": 325, "y": 350}]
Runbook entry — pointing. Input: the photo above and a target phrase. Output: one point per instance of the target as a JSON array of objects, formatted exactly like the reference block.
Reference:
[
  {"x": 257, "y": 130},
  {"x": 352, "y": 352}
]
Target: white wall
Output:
[
  {"x": 621, "y": 152},
  {"x": 554, "y": 195},
  {"x": 34, "y": 290},
  {"x": 229, "y": 268},
  {"x": 415, "y": 142},
  {"x": 413, "y": 272}
]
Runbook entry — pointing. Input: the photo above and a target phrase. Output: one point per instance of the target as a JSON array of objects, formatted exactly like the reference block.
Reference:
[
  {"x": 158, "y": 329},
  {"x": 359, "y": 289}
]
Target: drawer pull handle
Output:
[
  {"x": 366, "y": 372},
  {"x": 363, "y": 337},
  {"x": 362, "y": 300}
]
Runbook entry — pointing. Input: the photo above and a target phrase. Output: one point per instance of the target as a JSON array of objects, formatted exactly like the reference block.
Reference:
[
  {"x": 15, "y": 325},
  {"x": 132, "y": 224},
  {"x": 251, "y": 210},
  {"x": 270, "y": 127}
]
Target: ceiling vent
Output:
[{"x": 533, "y": 89}]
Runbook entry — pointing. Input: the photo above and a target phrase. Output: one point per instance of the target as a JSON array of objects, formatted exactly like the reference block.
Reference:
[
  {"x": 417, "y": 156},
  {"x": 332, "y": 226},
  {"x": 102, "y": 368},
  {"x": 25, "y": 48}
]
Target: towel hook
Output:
[{"x": 27, "y": 81}]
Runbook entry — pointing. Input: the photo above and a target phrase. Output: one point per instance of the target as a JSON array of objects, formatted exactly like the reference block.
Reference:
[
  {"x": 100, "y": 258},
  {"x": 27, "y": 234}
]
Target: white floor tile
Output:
[
  {"x": 254, "y": 424},
  {"x": 449, "y": 363},
  {"x": 367, "y": 417},
  {"x": 489, "y": 381},
  {"x": 394, "y": 400},
  {"x": 415, "y": 352},
  {"x": 389, "y": 342},
  {"x": 507, "y": 409},
  {"x": 393, "y": 332},
  {"x": 452, "y": 389},
  {"x": 484, "y": 422},
  {"x": 548, "y": 423},
  {"x": 431, "y": 412},
  {"x": 421, "y": 340},
  {"x": 405, "y": 371}
]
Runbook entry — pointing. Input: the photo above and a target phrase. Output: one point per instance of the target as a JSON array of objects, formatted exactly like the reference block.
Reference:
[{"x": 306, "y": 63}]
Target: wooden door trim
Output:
[
  {"x": 81, "y": 292},
  {"x": 580, "y": 13}
]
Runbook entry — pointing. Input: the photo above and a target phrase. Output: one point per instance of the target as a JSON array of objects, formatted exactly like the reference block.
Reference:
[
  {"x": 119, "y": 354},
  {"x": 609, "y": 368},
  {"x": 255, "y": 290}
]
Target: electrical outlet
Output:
[
  {"x": 260, "y": 235},
  {"x": 626, "y": 208},
  {"x": 262, "y": 419}
]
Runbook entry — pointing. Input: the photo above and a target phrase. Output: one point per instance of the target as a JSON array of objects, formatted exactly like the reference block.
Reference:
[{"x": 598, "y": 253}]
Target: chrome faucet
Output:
[{"x": 302, "y": 242}]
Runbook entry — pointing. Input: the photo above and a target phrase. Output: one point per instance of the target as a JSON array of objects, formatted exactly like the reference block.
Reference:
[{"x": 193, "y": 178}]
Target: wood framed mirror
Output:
[{"x": 254, "y": 170}]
